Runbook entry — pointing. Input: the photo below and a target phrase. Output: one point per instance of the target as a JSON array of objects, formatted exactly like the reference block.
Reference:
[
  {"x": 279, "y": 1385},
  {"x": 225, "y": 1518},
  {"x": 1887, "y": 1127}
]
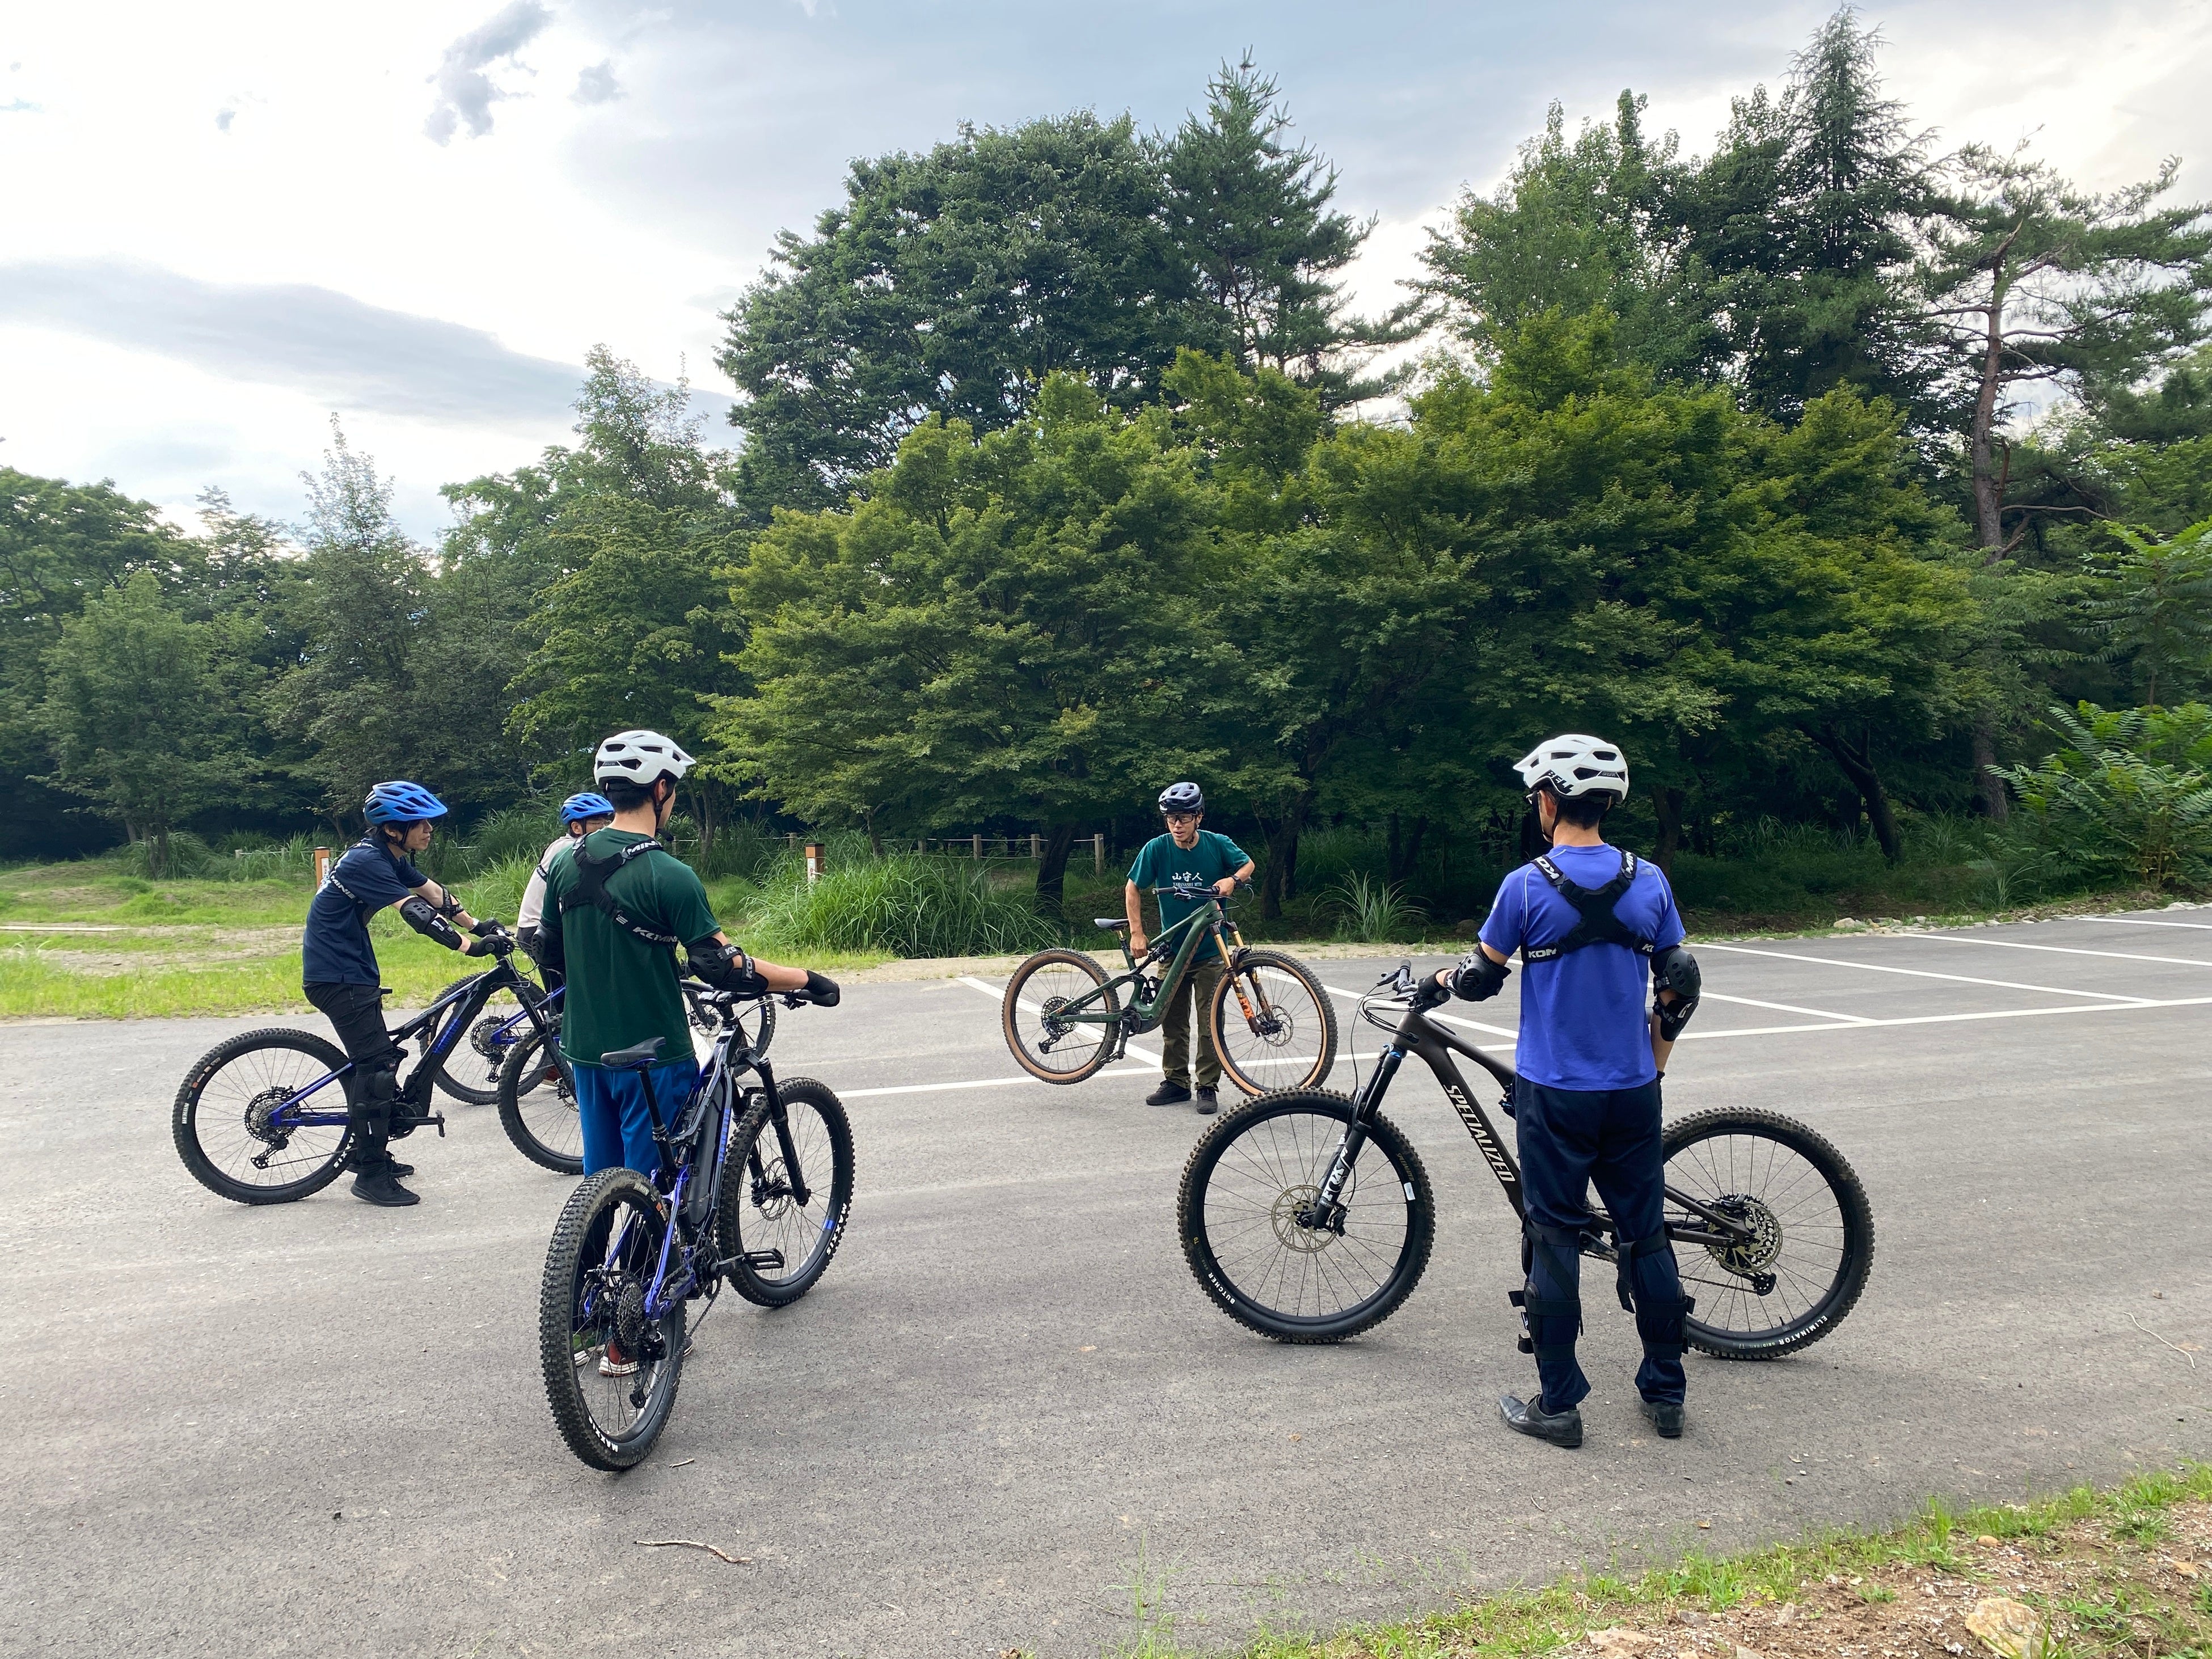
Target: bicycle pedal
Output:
[{"x": 760, "y": 1261}]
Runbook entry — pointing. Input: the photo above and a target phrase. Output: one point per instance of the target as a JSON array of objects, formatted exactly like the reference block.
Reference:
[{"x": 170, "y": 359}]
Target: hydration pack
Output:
[{"x": 1595, "y": 922}]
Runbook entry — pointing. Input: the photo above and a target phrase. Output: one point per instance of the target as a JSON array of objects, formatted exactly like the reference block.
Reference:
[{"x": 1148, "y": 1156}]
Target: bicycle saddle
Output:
[
  {"x": 1111, "y": 924},
  {"x": 636, "y": 1056}
]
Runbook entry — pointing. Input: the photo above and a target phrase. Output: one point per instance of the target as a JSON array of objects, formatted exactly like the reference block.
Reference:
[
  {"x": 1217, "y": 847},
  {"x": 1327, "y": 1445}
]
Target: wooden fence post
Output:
[{"x": 1099, "y": 855}]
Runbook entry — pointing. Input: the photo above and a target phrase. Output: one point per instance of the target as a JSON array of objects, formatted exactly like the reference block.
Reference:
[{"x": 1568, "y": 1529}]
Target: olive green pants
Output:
[{"x": 1190, "y": 1002}]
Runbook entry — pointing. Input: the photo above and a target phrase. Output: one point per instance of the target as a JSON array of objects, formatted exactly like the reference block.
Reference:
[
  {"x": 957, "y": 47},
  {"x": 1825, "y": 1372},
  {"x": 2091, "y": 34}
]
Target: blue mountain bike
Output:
[
  {"x": 261, "y": 1118},
  {"x": 753, "y": 1189}
]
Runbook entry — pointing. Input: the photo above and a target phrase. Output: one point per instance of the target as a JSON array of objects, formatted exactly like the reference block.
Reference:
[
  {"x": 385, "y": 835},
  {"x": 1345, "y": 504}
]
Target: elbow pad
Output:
[
  {"x": 1675, "y": 969},
  {"x": 1477, "y": 978},
  {"x": 417, "y": 914},
  {"x": 727, "y": 968}
]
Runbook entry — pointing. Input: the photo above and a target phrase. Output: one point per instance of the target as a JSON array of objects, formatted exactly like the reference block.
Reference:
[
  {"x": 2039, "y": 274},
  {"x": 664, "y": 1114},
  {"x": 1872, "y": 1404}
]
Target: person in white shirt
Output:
[{"x": 579, "y": 816}]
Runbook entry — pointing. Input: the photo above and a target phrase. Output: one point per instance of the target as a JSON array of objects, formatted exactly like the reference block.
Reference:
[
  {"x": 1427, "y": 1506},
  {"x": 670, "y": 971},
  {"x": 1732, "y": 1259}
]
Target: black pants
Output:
[
  {"x": 356, "y": 1013},
  {"x": 1571, "y": 1139}
]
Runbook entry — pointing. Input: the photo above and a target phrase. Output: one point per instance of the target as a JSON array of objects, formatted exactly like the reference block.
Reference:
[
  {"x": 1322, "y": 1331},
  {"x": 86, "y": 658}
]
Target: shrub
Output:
[
  {"x": 2129, "y": 793},
  {"x": 908, "y": 904},
  {"x": 1373, "y": 912}
]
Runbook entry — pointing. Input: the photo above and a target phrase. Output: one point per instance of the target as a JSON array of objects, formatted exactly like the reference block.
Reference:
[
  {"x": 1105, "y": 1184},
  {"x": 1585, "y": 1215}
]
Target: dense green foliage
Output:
[{"x": 1054, "y": 489}]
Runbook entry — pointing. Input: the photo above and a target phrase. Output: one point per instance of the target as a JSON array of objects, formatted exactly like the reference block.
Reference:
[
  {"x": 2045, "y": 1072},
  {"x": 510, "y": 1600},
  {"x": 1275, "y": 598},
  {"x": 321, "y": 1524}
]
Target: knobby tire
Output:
[
  {"x": 754, "y": 1209},
  {"x": 194, "y": 1112},
  {"x": 580, "y": 1232},
  {"x": 1022, "y": 1024}
]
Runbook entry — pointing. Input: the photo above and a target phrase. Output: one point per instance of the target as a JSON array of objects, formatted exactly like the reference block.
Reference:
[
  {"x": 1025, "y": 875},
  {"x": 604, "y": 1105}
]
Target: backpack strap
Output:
[
  {"x": 1595, "y": 921},
  {"x": 591, "y": 876}
]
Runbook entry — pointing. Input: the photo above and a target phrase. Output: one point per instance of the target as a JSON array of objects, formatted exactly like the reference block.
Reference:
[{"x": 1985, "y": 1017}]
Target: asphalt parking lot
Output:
[{"x": 1008, "y": 1414}]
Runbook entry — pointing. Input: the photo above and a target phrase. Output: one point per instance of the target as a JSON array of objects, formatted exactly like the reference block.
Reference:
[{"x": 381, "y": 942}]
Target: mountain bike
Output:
[
  {"x": 753, "y": 1188},
  {"x": 537, "y": 1092},
  {"x": 261, "y": 1118},
  {"x": 1308, "y": 1216},
  {"x": 1064, "y": 1020}
]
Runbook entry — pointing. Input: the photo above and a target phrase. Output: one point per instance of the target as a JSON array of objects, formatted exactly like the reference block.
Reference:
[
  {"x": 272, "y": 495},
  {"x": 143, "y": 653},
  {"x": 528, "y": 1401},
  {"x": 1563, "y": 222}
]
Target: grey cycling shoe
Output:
[
  {"x": 1529, "y": 1417},
  {"x": 1665, "y": 1416}
]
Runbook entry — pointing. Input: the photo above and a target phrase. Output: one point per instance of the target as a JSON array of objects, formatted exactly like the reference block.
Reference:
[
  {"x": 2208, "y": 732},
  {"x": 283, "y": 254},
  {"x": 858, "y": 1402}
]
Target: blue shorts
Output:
[{"x": 617, "y": 1129}]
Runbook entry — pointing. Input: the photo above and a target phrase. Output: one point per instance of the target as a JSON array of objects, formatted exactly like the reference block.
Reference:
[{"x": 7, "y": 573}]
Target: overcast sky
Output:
[{"x": 224, "y": 223}]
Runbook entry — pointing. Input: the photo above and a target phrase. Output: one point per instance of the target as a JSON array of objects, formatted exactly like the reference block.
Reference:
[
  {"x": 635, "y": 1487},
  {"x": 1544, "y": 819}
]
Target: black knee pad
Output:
[
  {"x": 1559, "y": 1250},
  {"x": 1659, "y": 1319}
]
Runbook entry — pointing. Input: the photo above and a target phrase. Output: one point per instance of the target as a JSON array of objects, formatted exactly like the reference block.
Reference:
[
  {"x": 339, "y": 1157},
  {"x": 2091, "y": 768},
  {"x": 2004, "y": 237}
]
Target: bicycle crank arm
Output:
[{"x": 424, "y": 1122}]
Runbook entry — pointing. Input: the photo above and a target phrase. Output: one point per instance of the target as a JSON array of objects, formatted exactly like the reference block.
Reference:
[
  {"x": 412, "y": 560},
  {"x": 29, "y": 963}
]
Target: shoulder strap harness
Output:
[
  {"x": 591, "y": 889},
  {"x": 1595, "y": 922}
]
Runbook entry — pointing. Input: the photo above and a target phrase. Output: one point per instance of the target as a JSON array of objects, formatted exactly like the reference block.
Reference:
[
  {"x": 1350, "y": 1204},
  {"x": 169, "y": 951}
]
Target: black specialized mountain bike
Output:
[
  {"x": 753, "y": 1189},
  {"x": 1271, "y": 1023},
  {"x": 261, "y": 1118},
  {"x": 537, "y": 1091},
  {"x": 1308, "y": 1217}
]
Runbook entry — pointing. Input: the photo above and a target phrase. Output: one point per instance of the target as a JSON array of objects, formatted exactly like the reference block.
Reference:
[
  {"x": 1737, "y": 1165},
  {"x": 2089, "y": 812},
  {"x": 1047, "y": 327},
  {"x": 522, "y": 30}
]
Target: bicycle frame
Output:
[
  {"x": 1418, "y": 1034},
  {"x": 1142, "y": 1015},
  {"x": 458, "y": 1009}
]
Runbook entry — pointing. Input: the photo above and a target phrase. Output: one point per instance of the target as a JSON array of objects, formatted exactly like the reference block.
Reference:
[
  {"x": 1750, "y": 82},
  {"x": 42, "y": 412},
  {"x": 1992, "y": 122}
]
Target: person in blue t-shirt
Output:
[
  {"x": 337, "y": 964},
  {"x": 1586, "y": 917},
  {"x": 1186, "y": 856}
]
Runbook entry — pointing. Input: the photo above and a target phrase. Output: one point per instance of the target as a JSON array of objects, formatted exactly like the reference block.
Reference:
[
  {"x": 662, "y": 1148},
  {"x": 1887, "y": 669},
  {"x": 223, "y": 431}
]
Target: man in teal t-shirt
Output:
[{"x": 1188, "y": 856}]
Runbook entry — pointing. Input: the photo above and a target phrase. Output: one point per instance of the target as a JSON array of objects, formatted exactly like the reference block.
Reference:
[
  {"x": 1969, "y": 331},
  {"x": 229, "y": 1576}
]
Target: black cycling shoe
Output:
[
  {"x": 381, "y": 1185},
  {"x": 1665, "y": 1416},
  {"x": 396, "y": 1167},
  {"x": 1208, "y": 1103},
  {"x": 1560, "y": 1428},
  {"x": 1168, "y": 1094}
]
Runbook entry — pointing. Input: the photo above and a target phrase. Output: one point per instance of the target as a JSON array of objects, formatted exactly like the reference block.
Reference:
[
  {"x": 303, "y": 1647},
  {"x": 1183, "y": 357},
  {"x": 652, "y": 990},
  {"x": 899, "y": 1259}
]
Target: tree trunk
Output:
[
  {"x": 1669, "y": 801},
  {"x": 1279, "y": 880},
  {"x": 160, "y": 861},
  {"x": 1857, "y": 764},
  {"x": 1052, "y": 870},
  {"x": 1987, "y": 783},
  {"x": 1403, "y": 852}
]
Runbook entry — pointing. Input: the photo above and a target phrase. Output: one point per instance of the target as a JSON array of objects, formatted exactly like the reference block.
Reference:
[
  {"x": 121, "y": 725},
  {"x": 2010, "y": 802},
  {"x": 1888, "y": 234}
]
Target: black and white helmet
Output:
[
  {"x": 1576, "y": 765},
  {"x": 639, "y": 757}
]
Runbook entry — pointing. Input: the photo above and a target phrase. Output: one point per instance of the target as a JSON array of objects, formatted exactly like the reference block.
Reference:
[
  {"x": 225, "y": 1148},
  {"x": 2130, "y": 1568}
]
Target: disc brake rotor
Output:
[
  {"x": 1283, "y": 1214},
  {"x": 1751, "y": 1257}
]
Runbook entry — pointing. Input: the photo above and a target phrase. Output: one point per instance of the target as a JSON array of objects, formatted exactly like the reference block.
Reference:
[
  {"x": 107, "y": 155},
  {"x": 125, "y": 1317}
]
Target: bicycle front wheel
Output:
[
  {"x": 1272, "y": 1024},
  {"x": 1247, "y": 1181},
  {"x": 236, "y": 1118},
  {"x": 610, "y": 1372},
  {"x": 1812, "y": 1232},
  {"x": 537, "y": 1105},
  {"x": 785, "y": 1193},
  {"x": 1047, "y": 1046}
]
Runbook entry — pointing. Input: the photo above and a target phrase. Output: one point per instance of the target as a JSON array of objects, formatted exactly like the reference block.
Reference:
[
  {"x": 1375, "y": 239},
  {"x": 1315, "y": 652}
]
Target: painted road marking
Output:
[
  {"x": 2140, "y": 921},
  {"x": 1922, "y": 973},
  {"x": 998, "y": 993},
  {"x": 2062, "y": 950}
]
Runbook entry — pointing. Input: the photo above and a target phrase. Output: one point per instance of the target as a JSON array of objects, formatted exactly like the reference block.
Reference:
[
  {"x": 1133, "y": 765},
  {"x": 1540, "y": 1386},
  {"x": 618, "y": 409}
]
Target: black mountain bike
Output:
[
  {"x": 537, "y": 1091},
  {"x": 1272, "y": 1024},
  {"x": 1308, "y": 1217},
  {"x": 261, "y": 1118},
  {"x": 754, "y": 1188}
]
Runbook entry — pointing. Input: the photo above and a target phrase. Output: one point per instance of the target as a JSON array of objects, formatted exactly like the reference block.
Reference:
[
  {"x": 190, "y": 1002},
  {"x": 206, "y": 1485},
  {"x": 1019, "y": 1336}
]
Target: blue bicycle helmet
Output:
[
  {"x": 577, "y": 808},
  {"x": 401, "y": 802}
]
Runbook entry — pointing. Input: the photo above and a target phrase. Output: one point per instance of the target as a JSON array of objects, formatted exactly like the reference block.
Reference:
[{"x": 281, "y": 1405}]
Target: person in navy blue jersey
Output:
[
  {"x": 337, "y": 964},
  {"x": 1589, "y": 922}
]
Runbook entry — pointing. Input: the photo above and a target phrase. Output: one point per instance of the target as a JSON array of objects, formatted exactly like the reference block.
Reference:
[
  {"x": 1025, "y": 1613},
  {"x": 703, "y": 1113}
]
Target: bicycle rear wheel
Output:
[
  {"x": 1813, "y": 1232},
  {"x": 1246, "y": 1181},
  {"x": 774, "y": 1243},
  {"x": 537, "y": 1105},
  {"x": 1288, "y": 1039},
  {"x": 231, "y": 1120},
  {"x": 591, "y": 1323},
  {"x": 469, "y": 1073},
  {"x": 1047, "y": 1047}
]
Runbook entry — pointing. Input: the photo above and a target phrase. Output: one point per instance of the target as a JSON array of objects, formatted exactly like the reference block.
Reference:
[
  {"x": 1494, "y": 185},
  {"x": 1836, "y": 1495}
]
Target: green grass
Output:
[{"x": 1538, "y": 1621}]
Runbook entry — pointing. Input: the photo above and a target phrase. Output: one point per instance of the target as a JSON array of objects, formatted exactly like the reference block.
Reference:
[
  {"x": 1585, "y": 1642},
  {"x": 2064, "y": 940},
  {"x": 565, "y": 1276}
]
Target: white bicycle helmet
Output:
[
  {"x": 639, "y": 757},
  {"x": 1573, "y": 765}
]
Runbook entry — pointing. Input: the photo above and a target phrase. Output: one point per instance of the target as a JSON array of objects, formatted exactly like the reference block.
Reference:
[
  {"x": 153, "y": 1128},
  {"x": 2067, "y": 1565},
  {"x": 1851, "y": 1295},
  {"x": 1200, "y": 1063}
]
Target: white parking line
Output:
[
  {"x": 1921, "y": 973},
  {"x": 998, "y": 993},
  {"x": 2140, "y": 921},
  {"x": 1784, "y": 1007},
  {"x": 2062, "y": 950}
]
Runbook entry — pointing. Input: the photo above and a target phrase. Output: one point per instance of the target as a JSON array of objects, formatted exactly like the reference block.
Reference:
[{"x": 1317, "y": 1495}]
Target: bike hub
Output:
[
  {"x": 627, "y": 1322},
  {"x": 1753, "y": 1255},
  {"x": 1298, "y": 1224},
  {"x": 261, "y": 1116}
]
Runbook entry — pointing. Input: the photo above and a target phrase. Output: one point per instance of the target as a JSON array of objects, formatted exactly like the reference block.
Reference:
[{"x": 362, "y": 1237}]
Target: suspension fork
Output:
[
  {"x": 800, "y": 1192},
  {"x": 1235, "y": 979},
  {"x": 1327, "y": 1208}
]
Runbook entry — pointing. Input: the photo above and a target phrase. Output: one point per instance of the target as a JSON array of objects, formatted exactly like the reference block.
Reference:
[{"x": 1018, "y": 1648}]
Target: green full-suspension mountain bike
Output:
[{"x": 1271, "y": 1020}]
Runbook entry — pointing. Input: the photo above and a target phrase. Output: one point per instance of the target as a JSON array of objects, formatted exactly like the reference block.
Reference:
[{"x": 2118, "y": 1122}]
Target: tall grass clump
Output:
[
  {"x": 908, "y": 905},
  {"x": 1373, "y": 912}
]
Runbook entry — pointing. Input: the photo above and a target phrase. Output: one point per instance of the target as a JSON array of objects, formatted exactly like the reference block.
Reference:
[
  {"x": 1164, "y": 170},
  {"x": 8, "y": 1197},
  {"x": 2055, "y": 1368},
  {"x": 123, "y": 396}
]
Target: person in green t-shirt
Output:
[
  {"x": 616, "y": 908},
  {"x": 1188, "y": 856}
]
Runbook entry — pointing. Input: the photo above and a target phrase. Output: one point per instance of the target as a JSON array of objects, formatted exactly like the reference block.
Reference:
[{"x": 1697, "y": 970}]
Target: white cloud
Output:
[
  {"x": 596, "y": 83},
  {"x": 465, "y": 92}
]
